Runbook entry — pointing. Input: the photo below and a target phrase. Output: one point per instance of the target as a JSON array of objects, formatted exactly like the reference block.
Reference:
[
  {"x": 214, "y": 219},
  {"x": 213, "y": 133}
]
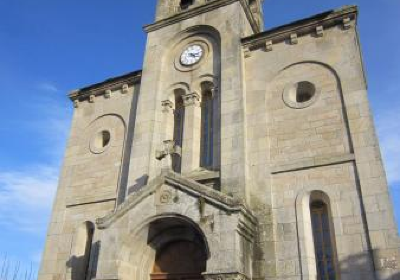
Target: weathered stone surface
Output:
[{"x": 291, "y": 128}]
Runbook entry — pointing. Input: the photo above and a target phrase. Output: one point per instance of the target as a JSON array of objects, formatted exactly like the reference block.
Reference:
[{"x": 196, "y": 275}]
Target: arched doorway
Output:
[
  {"x": 179, "y": 260},
  {"x": 180, "y": 251}
]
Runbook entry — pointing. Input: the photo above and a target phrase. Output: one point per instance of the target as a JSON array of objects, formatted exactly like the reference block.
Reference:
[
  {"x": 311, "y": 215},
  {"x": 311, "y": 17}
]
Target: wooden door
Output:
[{"x": 180, "y": 260}]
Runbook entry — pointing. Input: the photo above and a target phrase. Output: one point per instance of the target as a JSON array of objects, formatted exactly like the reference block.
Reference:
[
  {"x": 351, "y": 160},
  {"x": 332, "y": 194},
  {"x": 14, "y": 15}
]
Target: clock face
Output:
[{"x": 192, "y": 55}]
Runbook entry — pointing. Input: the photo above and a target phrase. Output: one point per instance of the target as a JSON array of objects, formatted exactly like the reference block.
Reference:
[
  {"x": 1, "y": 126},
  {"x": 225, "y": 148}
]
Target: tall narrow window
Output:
[
  {"x": 88, "y": 249},
  {"x": 323, "y": 241},
  {"x": 179, "y": 118},
  {"x": 80, "y": 260},
  {"x": 207, "y": 121}
]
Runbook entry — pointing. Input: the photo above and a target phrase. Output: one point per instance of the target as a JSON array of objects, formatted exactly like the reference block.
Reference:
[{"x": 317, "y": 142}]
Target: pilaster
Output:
[
  {"x": 168, "y": 112},
  {"x": 191, "y": 133}
]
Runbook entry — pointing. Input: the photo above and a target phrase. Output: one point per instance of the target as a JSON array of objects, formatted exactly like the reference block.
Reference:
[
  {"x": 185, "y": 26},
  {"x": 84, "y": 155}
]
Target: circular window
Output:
[
  {"x": 305, "y": 91},
  {"x": 100, "y": 141},
  {"x": 300, "y": 95}
]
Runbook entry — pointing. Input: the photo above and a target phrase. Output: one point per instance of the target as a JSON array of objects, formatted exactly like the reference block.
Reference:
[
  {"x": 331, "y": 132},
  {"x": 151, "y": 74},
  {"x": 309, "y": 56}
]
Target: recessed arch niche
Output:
[
  {"x": 198, "y": 81},
  {"x": 307, "y": 112},
  {"x": 167, "y": 247},
  {"x": 101, "y": 142}
]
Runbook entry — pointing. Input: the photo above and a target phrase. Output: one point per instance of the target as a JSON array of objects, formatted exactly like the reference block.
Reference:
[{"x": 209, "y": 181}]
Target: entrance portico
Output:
[{"x": 177, "y": 229}]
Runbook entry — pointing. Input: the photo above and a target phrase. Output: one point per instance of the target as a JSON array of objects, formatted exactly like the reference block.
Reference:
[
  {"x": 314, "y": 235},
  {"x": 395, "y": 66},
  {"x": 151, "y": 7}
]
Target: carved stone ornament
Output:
[
  {"x": 165, "y": 197},
  {"x": 125, "y": 89},
  {"x": 167, "y": 106},
  {"x": 165, "y": 155},
  {"x": 107, "y": 93},
  {"x": 320, "y": 31},
  {"x": 346, "y": 23},
  {"x": 268, "y": 46},
  {"x": 92, "y": 98},
  {"x": 191, "y": 99},
  {"x": 294, "y": 39},
  {"x": 76, "y": 103},
  {"x": 169, "y": 149}
]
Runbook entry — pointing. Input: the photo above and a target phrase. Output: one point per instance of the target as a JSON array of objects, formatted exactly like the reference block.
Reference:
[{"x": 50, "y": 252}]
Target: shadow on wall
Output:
[
  {"x": 354, "y": 267},
  {"x": 84, "y": 267},
  {"x": 360, "y": 267},
  {"x": 140, "y": 182}
]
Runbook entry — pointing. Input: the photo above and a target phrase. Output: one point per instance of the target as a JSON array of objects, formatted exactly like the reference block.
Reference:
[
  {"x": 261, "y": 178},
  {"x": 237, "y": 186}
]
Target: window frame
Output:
[
  {"x": 179, "y": 124},
  {"x": 207, "y": 130},
  {"x": 323, "y": 240}
]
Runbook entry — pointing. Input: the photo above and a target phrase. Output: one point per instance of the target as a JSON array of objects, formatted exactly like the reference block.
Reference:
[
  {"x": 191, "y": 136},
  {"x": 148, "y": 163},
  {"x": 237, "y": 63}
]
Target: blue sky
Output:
[{"x": 49, "y": 47}]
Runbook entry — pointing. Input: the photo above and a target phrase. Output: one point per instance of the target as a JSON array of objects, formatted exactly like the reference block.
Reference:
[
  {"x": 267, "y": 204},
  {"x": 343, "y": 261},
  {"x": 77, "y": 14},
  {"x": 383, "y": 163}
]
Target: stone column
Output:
[{"x": 191, "y": 133}]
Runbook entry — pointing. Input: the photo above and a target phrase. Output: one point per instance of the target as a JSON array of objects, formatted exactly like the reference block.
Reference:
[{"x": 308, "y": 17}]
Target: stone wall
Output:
[
  {"x": 327, "y": 143},
  {"x": 92, "y": 173},
  {"x": 294, "y": 124}
]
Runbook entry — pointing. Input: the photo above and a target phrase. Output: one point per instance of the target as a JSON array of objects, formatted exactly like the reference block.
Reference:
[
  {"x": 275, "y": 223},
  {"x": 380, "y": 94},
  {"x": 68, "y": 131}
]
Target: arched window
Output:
[
  {"x": 179, "y": 118},
  {"x": 185, "y": 4},
  {"x": 324, "y": 244},
  {"x": 80, "y": 258},
  {"x": 207, "y": 129}
]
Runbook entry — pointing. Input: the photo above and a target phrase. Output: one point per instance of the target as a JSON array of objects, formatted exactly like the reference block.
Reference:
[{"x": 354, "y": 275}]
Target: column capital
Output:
[
  {"x": 191, "y": 99},
  {"x": 167, "y": 106}
]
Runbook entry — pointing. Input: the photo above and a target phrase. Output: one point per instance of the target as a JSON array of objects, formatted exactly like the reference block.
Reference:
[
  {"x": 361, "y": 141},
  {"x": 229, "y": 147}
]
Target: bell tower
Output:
[
  {"x": 168, "y": 8},
  {"x": 193, "y": 68}
]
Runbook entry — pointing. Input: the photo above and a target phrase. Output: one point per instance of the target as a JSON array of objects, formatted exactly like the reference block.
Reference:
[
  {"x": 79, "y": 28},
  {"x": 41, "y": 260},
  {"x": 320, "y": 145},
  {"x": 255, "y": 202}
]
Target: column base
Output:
[{"x": 225, "y": 276}]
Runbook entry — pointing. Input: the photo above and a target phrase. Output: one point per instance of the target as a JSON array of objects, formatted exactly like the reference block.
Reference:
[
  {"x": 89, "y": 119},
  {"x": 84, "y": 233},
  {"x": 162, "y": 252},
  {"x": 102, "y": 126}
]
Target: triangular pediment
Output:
[{"x": 184, "y": 185}]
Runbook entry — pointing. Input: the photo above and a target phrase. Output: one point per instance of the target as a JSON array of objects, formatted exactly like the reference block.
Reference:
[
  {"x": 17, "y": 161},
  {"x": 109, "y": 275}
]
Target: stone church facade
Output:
[{"x": 235, "y": 154}]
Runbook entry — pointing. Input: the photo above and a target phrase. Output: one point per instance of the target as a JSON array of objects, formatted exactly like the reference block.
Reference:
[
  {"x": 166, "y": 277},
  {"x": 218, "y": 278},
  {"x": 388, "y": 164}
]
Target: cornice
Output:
[
  {"x": 215, "y": 198},
  {"x": 315, "y": 24},
  {"x": 195, "y": 11},
  {"x": 109, "y": 84},
  {"x": 313, "y": 163}
]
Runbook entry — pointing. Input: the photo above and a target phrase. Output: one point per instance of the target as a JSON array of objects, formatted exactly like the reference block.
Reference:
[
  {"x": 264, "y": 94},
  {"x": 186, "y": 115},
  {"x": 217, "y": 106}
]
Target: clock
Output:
[{"x": 191, "y": 55}]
